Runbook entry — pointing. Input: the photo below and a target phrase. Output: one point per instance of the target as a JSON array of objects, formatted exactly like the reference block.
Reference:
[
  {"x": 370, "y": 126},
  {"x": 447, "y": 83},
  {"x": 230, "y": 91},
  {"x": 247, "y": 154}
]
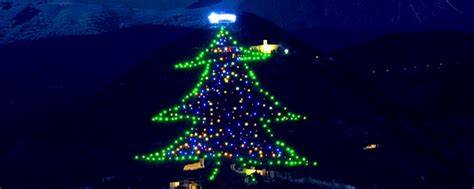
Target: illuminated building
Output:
[{"x": 270, "y": 48}]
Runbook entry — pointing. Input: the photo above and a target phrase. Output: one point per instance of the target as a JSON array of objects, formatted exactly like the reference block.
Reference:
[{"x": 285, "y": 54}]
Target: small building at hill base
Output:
[
  {"x": 185, "y": 184},
  {"x": 270, "y": 48},
  {"x": 194, "y": 166}
]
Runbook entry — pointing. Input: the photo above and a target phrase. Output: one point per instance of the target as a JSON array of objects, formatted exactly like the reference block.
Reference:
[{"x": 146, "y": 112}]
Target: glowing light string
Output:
[
  {"x": 215, "y": 18},
  {"x": 230, "y": 114}
]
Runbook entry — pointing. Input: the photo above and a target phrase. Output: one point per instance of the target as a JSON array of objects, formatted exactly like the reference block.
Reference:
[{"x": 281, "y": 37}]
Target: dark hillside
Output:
[{"x": 422, "y": 144}]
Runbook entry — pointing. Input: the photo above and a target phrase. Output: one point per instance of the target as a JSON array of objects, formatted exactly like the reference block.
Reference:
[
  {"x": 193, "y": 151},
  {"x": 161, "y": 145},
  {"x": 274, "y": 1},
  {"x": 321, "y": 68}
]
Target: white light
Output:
[
  {"x": 287, "y": 51},
  {"x": 222, "y": 18},
  {"x": 267, "y": 49}
]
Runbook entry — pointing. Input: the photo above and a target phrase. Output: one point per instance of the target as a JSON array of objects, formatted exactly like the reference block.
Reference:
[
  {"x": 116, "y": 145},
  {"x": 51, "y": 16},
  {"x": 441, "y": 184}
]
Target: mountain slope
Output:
[
  {"x": 108, "y": 130},
  {"x": 23, "y": 21},
  {"x": 425, "y": 79},
  {"x": 59, "y": 72},
  {"x": 393, "y": 15},
  {"x": 35, "y": 19},
  {"x": 333, "y": 24},
  {"x": 423, "y": 145}
]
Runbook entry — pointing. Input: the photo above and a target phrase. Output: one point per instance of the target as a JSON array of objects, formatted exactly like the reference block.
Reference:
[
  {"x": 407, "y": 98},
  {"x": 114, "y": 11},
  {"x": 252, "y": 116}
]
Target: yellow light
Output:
[
  {"x": 266, "y": 48},
  {"x": 249, "y": 171},
  {"x": 371, "y": 147},
  {"x": 174, "y": 184}
]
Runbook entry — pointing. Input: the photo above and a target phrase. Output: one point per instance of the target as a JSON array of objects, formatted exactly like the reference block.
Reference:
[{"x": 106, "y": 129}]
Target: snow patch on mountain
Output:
[{"x": 24, "y": 20}]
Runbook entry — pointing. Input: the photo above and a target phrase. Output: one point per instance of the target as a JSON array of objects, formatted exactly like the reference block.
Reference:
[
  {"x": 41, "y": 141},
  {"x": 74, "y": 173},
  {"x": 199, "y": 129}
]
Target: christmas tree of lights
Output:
[{"x": 228, "y": 112}]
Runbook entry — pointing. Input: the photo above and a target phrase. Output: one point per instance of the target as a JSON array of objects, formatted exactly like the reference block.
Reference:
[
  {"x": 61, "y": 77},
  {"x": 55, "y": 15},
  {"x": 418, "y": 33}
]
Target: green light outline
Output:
[{"x": 172, "y": 115}]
